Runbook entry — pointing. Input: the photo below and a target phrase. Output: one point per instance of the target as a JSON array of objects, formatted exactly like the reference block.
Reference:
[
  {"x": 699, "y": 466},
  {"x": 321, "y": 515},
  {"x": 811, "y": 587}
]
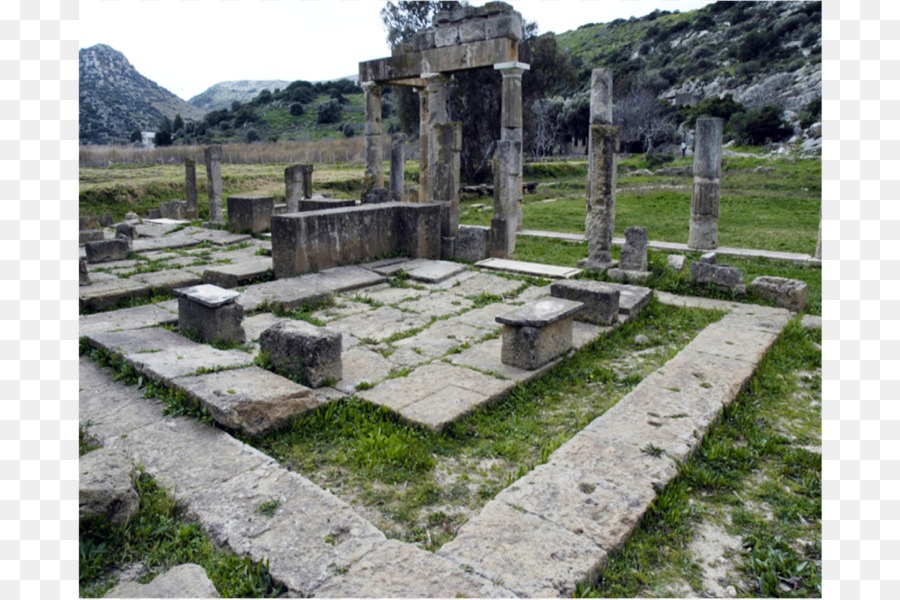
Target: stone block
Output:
[
  {"x": 88, "y": 222},
  {"x": 725, "y": 278},
  {"x": 601, "y": 301},
  {"x": 377, "y": 196},
  {"x": 251, "y": 400},
  {"x": 601, "y": 97},
  {"x": 90, "y": 235},
  {"x": 176, "y": 209},
  {"x": 183, "y": 581},
  {"x": 634, "y": 252},
  {"x": 786, "y": 293},
  {"x": 504, "y": 25},
  {"x": 447, "y": 35},
  {"x": 471, "y": 30},
  {"x": 311, "y": 204},
  {"x": 250, "y": 214},
  {"x": 538, "y": 332},
  {"x": 231, "y": 276},
  {"x": 675, "y": 262},
  {"x": 628, "y": 276},
  {"x": 105, "y": 487},
  {"x": 472, "y": 243},
  {"x": 153, "y": 213},
  {"x": 104, "y": 295},
  {"x": 83, "y": 277},
  {"x": 107, "y": 250},
  {"x": 503, "y": 237},
  {"x": 126, "y": 230},
  {"x": 704, "y": 232},
  {"x": 298, "y": 348},
  {"x": 436, "y": 271},
  {"x": 705, "y": 198},
  {"x": 423, "y": 40},
  {"x": 448, "y": 247},
  {"x": 210, "y": 313},
  {"x": 709, "y": 258},
  {"x": 708, "y": 148}
]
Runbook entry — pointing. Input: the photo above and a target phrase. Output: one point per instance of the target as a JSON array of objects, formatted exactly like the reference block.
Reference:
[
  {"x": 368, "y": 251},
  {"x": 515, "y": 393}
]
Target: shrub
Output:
[
  {"x": 329, "y": 112},
  {"x": 296, "y": 109},
  {"x": 347, "y": 130},
  {"x": 251, "y": 136},
  {"x": 811, "y": 113},
  {"x": 760, "y": 126}
]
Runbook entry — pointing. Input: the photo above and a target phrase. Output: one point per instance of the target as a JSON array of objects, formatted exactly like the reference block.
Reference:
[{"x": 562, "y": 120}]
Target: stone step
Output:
[
  {"x": 107, "y": 294},
  {"x": 126, "y": 318}
]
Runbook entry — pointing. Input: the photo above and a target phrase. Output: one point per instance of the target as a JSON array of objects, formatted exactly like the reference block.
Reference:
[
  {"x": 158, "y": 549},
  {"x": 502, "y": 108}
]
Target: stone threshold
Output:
[
  {"x": 539, "y": 537},
  {"x": 794, "y": 257}
]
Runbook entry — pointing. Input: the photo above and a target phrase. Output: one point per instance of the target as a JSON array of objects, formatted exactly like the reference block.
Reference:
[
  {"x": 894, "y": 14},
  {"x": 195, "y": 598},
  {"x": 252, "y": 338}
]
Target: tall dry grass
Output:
[{"x": 346, "y": 150}]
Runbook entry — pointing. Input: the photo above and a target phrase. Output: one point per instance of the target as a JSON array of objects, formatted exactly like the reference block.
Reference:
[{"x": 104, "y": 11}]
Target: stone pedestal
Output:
[
  {"x": 190, "y": 188},
  {"x": 538, "y": 332},
  {"x": 298, "y": 349},
  {"x": 250, "y": 214},
  {"x": 210, "y": 313},
  {"x": 398, "y": 162},
  {"x": 297, "y": 185},
  {"x": 704, "y": 226},
  {"x": 374, "y": 174},
  {"x": 213, "y": 157}
]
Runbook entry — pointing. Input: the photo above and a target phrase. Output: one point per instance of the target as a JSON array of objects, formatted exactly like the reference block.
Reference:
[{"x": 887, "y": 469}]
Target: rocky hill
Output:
[
  {"x": 222, "y": 94},
  {"x": 759, "y": 52},
  {"x": 115, "y": 100}
]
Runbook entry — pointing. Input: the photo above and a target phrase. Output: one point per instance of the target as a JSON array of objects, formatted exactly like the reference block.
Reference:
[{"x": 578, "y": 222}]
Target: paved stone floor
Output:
[{"x": 430, "y": 351}]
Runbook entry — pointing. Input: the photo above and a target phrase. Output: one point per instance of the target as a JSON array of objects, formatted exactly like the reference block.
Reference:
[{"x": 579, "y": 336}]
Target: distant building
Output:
[{"x": 147, "y": 139}]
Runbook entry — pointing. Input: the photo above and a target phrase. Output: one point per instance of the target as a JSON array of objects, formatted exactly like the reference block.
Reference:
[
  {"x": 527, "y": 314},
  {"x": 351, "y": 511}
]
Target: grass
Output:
[
  {"x": 418, "y": 485},
  {"x": 753, "y": 462},
  {"x": 161, "y": 537}
]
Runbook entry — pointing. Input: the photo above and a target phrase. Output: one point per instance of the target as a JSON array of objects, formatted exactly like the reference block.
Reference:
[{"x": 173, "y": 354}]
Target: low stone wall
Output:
[{"x": 322, "y": 239}]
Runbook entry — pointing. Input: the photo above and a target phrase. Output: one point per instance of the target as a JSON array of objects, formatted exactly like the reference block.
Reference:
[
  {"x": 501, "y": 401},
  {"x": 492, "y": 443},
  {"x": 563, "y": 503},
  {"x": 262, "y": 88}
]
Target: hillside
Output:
[
  {"x": 760, "y": 52},
  {"x": 114, "y": 99},
  {"x": 222, "y": 94}
]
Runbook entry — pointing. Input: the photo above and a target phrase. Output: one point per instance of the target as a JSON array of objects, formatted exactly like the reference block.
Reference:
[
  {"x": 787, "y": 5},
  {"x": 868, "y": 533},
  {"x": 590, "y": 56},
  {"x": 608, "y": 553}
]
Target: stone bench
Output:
[
  {"x": 601, "y": 301},
  {"x": 250, "y": 214},
  {"x": 210, "y": 313},
  {"x": 538, "y": 332},
  {"x": 303, "y": 242}
]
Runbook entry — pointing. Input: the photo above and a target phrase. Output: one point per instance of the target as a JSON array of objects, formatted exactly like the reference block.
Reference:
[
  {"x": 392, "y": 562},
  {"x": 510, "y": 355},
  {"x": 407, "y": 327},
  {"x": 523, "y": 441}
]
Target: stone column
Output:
[
  {"x": 507, "y": 190},
  {"x": 297, "y": 185},
  {"x": 603, "y": 156},
  {"x": 818, "y": 253},
  {"x": 374, "y": 175},
  {"x": 423, "y": 144},
  {"x": 190, "y": 188},
  {"x": 704, "y": 229},
  {"x": 213, "y": 157},
  {"x": 447, "y": 146},
  {"x": 437, "y": 113},
  {"x": 511, "y": 120},
  {"x": 398, "y": 161}
]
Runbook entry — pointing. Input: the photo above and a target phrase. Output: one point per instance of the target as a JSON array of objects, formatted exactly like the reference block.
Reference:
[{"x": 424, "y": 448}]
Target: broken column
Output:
[
  {"x": 374, "y": 174},
  {"x": 297, "y": 185},
  {"x": 447, "y": 146},
  {"x": 704, "y": 226},
  {"x": 511, "y": 121},
  {"x": 603, "y": 145},
  {"x": 213, "y": 157},
  {"x": 398, "y": 162},
  {"x": 507, "y": 166},
  {"x": 633, "y": 263},
  {"x": 437, "y": 113},
  {"x": 190, "y": 188}
]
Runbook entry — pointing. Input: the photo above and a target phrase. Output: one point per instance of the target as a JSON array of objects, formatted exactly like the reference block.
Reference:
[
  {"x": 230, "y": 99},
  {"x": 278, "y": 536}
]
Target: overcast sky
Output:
[{"x": 188, "y": 45}]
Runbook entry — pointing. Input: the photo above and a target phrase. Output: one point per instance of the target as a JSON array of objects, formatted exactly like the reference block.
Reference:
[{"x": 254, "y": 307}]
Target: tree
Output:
[
  {"x": 642, "y": 121},
  {"x": 163, "y": 136},
  {"x": 329, "y": 112},
  {"x": 177, "y": 122},
  {"x": 136, "y": 136},
  {"x": 547, "y": 125},
  {"x": 403, "y": 19},
  {"x": 251, "y": 136},
  {"x": 760, "y": 126},
  {"x": 296, "y": 109}
]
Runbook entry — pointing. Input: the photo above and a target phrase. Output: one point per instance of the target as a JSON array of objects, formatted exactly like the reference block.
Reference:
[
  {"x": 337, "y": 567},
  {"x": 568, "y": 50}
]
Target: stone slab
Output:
[
  {"x": 524, "y": 553},
  {"x": 255, "y": 325},
  {"x": 436, "y": 271},
  {"x": 182, "y": 581},
  {"x": 438, "y": 304},
  {"x": 728, "y": 341},
  {"x": 398, "y": 570},
  {"x": 440, "y": 338},
  {"x": 231, "y": 276},
  {"x": 130, "y": 341},
  {"x": 105, "y": 487},
  {"x": 127, "y": 318},
  {"x": 601, "y": 301},
  {"x": 379, "y": 324},
  {"x": 528, "y": 268},
  {"x": 389, "y": 295},
  {"x": 168, "y": 279},
  {"x": 251, "y": 400},
  {"x": 486, "y": 283},
  {"x": 390, "y": 267},
  {"x": 106, "y": 294},
  {"x": 290, "y": 294},
  {"x": 632, "y": 298},
  {"x": 540, "y": 313},
  {"x": 211, "y": 296},
  {"x": 344, "y": 279},
  {"x": 361, "y": 365}
]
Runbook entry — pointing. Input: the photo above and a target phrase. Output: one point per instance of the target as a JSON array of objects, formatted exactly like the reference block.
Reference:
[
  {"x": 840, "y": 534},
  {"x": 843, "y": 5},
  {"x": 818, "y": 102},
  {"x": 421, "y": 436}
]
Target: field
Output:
[{"x": 745, "y": 510}]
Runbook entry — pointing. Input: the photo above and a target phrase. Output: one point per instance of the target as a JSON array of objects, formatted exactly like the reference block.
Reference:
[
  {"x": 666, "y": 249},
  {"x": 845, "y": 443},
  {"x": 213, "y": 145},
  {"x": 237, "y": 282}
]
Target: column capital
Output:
[
  {"x": 511, "y": 69},
  {"x": 370, "y": 87}
]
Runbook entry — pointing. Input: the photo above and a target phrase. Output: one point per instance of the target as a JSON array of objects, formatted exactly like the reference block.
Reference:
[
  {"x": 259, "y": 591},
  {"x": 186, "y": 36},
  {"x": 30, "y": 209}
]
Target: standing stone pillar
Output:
[
  {"x": 511, "y": 120},
  {"x": 447, "y": 146},
  {"x": 374, "y": 175},
  {"x": 213, "y": 157},
  {"x": 190, "y": 188},
  {"x": 423, "y": 144},
  {"x": 297, "y": 185},
  {"x": 704, "y": 230},
  {"x": 398, "y": 162},
  {"x": 603, "y": 156},
  {"x": 437, "y": 113},
  {"x": 818, "y": 253},
  {"x": 507, "y": 189}
]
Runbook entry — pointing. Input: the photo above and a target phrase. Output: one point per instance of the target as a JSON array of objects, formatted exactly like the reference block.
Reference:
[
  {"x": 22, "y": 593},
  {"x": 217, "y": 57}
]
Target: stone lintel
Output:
[{"x": 409, "y": 66}]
